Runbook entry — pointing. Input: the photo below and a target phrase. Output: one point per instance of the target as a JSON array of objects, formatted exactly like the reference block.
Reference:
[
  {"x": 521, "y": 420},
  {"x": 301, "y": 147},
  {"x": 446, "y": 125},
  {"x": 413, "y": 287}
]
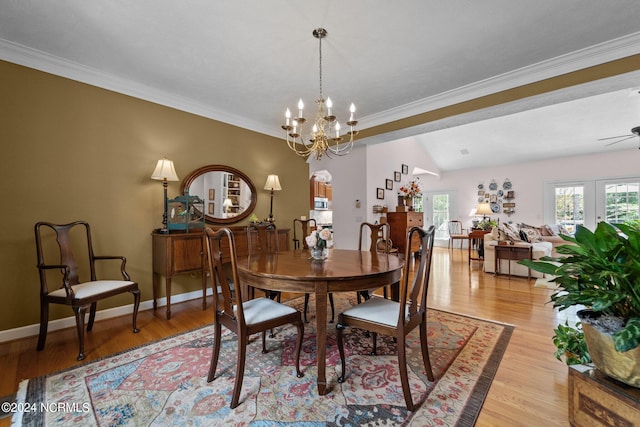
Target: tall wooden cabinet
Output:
[{"x": 400, "y": 223}]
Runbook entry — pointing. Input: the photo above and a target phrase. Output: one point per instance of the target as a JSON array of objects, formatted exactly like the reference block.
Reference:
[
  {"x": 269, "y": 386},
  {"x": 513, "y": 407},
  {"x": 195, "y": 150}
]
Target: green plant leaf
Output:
[{"x": 629, "y": 337}]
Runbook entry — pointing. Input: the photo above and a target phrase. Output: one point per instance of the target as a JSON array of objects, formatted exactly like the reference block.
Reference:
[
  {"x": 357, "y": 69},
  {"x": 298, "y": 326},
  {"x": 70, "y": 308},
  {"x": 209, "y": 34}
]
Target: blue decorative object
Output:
[{"x": 185, "y": 213}]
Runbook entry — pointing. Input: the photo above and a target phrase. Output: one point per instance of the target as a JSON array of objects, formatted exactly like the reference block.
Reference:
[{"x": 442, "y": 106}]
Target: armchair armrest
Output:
[
  {"x": 125, "y": 275},
  {"x": 64, "y": 270}
]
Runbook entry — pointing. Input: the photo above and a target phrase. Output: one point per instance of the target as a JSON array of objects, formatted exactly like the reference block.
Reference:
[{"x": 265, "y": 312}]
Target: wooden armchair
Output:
[
  {"x": 80, "y": 295},
  {"x": 456, "y": 232}
]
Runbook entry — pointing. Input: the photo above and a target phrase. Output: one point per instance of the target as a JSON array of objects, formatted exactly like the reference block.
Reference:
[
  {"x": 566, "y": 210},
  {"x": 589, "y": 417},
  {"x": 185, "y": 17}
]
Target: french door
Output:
[{"x": 439, "y": 208}]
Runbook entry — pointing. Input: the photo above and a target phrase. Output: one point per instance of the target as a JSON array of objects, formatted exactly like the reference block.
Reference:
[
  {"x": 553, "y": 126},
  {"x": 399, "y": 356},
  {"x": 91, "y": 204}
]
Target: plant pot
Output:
[{"x": 622, "y": 366}]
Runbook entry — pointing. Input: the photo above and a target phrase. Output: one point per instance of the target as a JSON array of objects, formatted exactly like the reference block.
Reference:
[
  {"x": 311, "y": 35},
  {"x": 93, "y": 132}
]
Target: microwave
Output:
[{"x": 320, "y": 203}]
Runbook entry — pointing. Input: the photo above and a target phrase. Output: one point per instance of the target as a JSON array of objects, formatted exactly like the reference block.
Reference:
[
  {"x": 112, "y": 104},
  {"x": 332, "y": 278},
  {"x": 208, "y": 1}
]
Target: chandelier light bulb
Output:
[
  {"x": 300, "y": 108},
  {"x": 329, "y": 105},
  {"x": 287, "y": 116},
  {"x": 337, "y": 129}
]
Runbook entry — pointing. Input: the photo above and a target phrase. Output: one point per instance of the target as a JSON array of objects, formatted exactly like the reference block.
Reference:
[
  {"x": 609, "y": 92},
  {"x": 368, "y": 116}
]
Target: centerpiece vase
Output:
[{"x": 319, "y": 254}]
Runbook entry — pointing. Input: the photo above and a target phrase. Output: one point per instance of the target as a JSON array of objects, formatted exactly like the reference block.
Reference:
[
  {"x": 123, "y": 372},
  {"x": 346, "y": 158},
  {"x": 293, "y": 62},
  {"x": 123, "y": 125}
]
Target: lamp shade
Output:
[
  {"x": 273, "y": 183},
  {"x": 165, "y": 170},
  {"x": 484, "y": 209}
]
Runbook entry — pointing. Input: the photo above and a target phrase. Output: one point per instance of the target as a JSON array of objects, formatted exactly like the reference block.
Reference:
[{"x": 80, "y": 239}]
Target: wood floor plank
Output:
[{"x": 530, "y": 386}]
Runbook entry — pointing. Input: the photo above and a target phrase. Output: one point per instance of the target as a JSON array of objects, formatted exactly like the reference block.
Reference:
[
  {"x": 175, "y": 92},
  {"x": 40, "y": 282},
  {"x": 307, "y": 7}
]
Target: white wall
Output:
[{"x": 358, "y": 175}]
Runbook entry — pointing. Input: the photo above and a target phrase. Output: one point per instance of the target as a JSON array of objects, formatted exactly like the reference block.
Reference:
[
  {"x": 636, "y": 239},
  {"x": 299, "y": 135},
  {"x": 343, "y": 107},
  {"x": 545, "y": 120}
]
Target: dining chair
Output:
[
  {"x": 80, "y": 295},
  {"x": 305, "y": 226},
  {"x": 456, "y": 232},
  {"x": 378, "y": 239},
  {"x": 242, "y": 318},
  {"x": 397, "y": 318},
  {"x": 263, "y": 238}
]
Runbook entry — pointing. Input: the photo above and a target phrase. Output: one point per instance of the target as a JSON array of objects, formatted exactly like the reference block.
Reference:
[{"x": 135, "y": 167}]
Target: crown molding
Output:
[{"x": 594, "y": 55}]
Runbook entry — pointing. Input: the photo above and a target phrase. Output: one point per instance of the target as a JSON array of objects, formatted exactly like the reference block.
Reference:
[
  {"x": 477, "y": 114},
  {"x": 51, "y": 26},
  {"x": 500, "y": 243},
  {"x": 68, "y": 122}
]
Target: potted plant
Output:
[
  {"x": 601, "y": 272},
  {"x": 570, "y": 344}
]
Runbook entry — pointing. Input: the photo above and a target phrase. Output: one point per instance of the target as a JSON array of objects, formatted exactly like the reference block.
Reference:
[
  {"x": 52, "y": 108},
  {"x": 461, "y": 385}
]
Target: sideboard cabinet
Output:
[
  {"x": 400, "y": 223},
  {"x": 185, "y": 253}
]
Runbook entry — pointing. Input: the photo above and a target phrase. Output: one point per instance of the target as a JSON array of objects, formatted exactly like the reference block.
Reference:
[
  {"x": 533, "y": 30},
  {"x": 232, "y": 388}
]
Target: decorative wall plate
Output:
[
  {"x": 495, "y": 208},
  {"x": 493, "y": 186},
  {"x": 507, "y": 184},
  {"x": 500, "y": 193},
  {"x": 480, "y": 199},
  {"x": 480, "y": 187}
]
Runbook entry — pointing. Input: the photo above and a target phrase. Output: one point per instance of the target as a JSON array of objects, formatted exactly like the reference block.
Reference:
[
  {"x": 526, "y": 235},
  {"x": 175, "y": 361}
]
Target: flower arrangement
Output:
[
  {"x": 412, "y": 189},
  {"x": 321, "y": 239}
]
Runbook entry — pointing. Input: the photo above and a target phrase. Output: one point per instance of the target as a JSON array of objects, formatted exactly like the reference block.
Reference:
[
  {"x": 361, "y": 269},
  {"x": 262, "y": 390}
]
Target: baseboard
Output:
[{"x": 70, "y": 322}]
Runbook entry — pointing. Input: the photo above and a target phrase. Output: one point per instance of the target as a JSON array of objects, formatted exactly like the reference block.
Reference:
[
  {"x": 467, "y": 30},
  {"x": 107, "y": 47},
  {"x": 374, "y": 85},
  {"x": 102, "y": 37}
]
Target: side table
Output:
[
  {"x": 477, "y": 237},
  {"x": 597, "y": 400},
  {"x": 512, "y": 252}
]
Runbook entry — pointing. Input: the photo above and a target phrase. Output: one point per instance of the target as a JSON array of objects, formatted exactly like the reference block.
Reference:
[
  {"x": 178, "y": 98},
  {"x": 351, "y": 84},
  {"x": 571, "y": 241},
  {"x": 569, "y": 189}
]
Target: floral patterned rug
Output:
[{"x": 164, "y": 383}]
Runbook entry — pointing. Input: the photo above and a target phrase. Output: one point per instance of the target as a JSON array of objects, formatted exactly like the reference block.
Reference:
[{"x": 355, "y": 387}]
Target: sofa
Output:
[{"x": 543, "y": 241}]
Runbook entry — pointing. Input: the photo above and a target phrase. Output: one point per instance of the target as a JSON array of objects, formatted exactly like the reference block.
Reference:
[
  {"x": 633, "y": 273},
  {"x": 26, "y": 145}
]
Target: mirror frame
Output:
[{"x": 222, "y": 168}]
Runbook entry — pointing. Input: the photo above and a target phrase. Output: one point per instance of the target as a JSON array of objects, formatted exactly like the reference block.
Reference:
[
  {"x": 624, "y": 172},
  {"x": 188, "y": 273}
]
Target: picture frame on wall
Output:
[
  {"x": 405, "y": 169},
  {"x": 211, "y": 208},
  {"x": 396, "y": 176},
  {"x": 212, "y": 194},
  {"x": 380, "y": 193},
  {"x": 389, "y": 184}
]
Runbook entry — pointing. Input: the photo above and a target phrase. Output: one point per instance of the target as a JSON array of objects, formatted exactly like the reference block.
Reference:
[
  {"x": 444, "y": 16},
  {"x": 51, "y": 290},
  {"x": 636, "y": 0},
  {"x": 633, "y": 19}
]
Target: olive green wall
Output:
[{"x": 71, "y": 151}]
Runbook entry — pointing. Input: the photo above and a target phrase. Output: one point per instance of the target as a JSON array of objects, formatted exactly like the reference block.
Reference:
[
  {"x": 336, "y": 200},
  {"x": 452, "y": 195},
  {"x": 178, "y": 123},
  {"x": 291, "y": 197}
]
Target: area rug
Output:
[{"x": 164, "y": 383}]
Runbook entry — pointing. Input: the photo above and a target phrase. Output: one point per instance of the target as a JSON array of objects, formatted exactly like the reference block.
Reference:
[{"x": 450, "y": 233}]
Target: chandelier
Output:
[{"x": 324, "y": 137}]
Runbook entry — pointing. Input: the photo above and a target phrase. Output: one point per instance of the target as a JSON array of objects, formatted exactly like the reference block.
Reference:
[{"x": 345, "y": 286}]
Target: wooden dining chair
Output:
[
  {"x": 378, "y": 239},
  {"x": 397, "y": 318},
  {"x": 456, "y": 232},
  {"x": 80, "y": 295},
  {"x": 305, "y": 226},
  {"x": 242, "y": 318},
  {"x": 263, "y": 239}
]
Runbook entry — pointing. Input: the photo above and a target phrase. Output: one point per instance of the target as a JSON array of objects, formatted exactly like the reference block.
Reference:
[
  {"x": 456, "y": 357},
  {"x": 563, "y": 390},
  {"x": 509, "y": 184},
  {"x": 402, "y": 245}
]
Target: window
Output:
[
  {"x": 569, "y": 206},
  {"x": 619, "y": 201},
  {"x": 439, "y": 209},
  {"x": 591, "y": 201}
]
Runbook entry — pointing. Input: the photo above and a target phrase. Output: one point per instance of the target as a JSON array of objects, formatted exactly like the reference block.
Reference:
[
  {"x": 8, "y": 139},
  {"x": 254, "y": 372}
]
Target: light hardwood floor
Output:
[{"x": 530, "y": 387}]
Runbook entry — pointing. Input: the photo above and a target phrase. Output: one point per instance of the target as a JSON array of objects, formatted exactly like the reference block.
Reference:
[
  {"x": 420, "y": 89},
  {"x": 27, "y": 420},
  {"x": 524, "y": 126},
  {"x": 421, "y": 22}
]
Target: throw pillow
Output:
[
  {"x": 545, "y": 230},
  {"x": 563, "y": 230},
  {"x": 510, "y": 232},
  {"x": 531, "y": 235}
]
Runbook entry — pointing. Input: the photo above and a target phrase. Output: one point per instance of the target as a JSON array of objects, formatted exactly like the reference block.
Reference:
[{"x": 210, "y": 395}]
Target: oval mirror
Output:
[{"x": 229, "y": 195}]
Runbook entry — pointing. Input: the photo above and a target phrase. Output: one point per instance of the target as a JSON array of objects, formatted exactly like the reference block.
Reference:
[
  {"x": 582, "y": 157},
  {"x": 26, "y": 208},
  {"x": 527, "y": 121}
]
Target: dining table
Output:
[{"x": 344, "y": 270}]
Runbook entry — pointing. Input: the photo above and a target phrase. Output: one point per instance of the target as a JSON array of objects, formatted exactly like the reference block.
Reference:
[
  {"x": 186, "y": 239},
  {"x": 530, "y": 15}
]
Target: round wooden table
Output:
[{"x": 344, "y": 270}]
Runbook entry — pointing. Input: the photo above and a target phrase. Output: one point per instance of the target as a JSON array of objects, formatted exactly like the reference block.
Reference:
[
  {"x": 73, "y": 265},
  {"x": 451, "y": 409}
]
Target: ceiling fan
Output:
[{"x": 634, "y": 132}]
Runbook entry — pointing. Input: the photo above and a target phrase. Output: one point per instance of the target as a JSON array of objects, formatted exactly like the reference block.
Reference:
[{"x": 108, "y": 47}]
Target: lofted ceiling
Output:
[{"x": 244, "y": 62}]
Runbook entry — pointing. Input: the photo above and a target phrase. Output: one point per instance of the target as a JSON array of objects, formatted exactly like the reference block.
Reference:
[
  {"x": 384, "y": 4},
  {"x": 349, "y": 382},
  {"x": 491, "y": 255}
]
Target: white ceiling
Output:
[{"x": 244, "y": 62}]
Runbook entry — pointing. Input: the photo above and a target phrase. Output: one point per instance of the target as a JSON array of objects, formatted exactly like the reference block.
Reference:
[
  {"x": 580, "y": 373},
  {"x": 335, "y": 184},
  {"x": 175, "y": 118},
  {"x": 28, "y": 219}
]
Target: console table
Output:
[
  {"x": 595, "y": 399},
  {"x": 512, "y": 252},
  {"x": 178, "y": 253}
]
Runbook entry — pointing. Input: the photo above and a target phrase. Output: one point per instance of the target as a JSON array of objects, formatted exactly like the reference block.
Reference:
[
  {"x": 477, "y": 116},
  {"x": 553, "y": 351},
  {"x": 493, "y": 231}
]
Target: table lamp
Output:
[
  {"x": 483, "y": 209},
  {"x": 165, "y": 172},
  {"x": 272, "y": 184}
]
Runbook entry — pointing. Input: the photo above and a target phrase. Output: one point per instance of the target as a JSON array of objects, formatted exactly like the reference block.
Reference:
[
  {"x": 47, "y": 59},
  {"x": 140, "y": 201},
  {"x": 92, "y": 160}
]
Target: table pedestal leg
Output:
[{"x": 321, "y": 335}]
